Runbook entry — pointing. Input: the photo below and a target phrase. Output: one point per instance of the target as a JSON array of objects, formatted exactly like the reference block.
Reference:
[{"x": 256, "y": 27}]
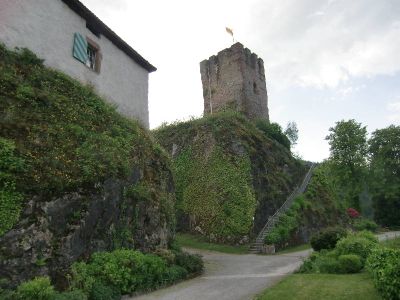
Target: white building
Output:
[{"x": 73, "y": 40}]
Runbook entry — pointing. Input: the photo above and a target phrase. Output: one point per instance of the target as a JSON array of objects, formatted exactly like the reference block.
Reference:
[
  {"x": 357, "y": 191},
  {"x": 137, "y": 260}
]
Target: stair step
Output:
[{"x": 272, "y": 221}]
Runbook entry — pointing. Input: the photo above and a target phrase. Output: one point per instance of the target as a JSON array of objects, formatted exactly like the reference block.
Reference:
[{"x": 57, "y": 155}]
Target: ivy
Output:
[
  {"x": 216, "y": 191},
  {"x": 10, "y": 199}
]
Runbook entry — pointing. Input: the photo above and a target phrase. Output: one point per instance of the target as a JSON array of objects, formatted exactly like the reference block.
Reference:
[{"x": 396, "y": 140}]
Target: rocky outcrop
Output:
[
  {"x": 217, "y": 157},
  {"x": 53, "y": 233},
  {"x": 80, "y": 177}
]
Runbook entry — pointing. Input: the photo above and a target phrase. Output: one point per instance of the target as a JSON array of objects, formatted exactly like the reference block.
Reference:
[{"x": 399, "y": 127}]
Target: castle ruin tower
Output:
[{"x": 235, "y": 79}]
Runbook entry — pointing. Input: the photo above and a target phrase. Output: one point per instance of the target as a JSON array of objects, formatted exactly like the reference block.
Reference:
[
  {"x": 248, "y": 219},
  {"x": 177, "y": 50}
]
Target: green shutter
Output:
[{"x": 80, "y": 48}]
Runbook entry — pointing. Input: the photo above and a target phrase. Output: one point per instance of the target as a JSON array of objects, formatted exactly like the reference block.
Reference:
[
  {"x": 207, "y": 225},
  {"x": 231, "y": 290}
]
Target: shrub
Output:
[
  {"x": 352, "y": 213},
  {"x": 273, "y": 131},
  {"x": 127, "y": 271},
  {"x": 321, "y": 262},
  {"x": 104, "y": 292},
  {"x": 327, "y": 238},
  {"x": 365, "y": 224},
  {"x": 358, "y": 245},
  {"x": 167, "y": 255},
  {"x": 367, "y": 235},
  {"x": 327, "y": 264},
  {"x": 39, "y": 288},
  {"x": 350, "y": 263},
  {"x": 176, "y": 273},
  {"x": 70, "y": 295},
  {"x": 192, "y": 263},
  {"x": 384, "y": 265}
]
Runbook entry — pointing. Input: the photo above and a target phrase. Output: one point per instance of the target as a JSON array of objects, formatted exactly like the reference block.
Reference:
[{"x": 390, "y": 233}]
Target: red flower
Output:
[{"x": 353, "y": 213}]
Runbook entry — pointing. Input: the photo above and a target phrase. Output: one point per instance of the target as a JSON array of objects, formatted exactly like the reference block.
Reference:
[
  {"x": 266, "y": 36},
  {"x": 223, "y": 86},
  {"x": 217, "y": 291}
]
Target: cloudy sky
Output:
[{"x": 325, "y": 60}]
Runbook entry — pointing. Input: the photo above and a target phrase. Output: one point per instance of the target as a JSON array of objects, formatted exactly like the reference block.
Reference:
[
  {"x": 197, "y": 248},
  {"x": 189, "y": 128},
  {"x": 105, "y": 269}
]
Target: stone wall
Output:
[{"x": 235, "y": 78}]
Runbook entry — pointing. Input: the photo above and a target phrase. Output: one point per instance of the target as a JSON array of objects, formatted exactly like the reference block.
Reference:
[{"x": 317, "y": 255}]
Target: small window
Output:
[
  {"x": 87, "y": 51},
  {"x": 91, "y": 57}
]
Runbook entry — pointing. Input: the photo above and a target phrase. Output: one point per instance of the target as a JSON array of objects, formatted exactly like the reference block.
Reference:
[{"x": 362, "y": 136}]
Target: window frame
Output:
[{"x": 91, "y": 44}]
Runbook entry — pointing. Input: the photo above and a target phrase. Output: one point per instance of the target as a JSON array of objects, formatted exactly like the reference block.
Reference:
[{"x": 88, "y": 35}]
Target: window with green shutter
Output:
[{"x": 80, "y": 48}]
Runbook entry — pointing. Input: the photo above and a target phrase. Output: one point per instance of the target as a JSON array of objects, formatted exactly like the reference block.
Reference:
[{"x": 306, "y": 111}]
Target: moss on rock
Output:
[{"x": 230, "y": 177}]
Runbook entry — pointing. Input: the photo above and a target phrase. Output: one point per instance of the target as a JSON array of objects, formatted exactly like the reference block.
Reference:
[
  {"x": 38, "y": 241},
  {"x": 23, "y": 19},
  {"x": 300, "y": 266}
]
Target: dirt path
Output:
[
  {"x": 230, "y": 276},
  {"x": 236, "y": 277}
]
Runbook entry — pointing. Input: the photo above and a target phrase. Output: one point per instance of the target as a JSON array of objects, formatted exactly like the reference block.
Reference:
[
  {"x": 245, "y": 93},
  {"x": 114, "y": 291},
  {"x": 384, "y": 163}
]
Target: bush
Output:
[
  {"x": 167, "y": 255},
  {"x": 327, "y": 264},
  {"x": 384, "y": 265},
  {"x": 192, "y": 263},
  {"x": 321, "y": 262},
  {"x": 127, "y": 271},
  {"x": 273, "y": 131},
  {"x": 365, "y": 224},
  {"x": 176, "y": 273},
  {"x": 327, "y": 238},
  {"x": 39, "y": 288},
  {"x": 357, "y": 245},
  {"x": 104, "y": 292},
  {"x": 353, "y": 213},
  {"x": 350, "y": 263},
  {"x": 367, "y": 235}
]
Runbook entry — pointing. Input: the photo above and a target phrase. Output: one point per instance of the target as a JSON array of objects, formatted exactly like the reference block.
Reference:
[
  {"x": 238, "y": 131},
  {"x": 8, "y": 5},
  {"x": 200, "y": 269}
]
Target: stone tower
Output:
[{"x": 235, "y": 78}]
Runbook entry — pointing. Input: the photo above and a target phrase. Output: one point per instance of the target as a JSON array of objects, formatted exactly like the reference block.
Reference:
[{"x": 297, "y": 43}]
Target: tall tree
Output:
[
  {"x": 292, "y": 133},
  {"x": 348, "y": 152},
  {"x": 384, "y": 150}
]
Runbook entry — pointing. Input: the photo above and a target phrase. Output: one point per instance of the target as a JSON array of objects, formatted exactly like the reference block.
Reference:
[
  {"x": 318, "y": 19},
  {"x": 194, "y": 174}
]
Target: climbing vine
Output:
[
  {"x": 10, "y": 199},
  {"x": 216, "y": 192}
]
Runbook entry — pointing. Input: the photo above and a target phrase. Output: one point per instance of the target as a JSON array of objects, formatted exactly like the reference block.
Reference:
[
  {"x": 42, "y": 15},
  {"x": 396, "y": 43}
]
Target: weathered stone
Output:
[
  {"x": 54, "y": 233},
  {"x": 235, "y": 79}
]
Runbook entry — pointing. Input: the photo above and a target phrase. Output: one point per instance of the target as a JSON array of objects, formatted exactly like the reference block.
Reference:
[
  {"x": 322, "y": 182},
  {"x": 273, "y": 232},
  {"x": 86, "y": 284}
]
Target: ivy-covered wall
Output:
[
  {"x": 75, "y": 176},
  {"x": 229, "y": 175}
]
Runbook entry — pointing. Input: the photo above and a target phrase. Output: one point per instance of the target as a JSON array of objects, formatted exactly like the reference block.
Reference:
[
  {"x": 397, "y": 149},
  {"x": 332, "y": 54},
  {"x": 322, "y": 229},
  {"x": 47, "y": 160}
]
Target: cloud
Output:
[
  {"x": 325, "y": 43},
  {"x": 394, "y": 111}
]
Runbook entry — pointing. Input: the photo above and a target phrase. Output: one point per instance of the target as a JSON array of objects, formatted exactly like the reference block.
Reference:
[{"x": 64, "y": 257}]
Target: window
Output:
[
  {"x": 91, "y": 57},
  {"x": 87, "y": 52}
]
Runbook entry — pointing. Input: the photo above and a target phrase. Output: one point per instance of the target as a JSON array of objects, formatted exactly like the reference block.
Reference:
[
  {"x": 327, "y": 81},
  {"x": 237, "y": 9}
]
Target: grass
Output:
[
  {"x": 323, "y": 286},
  {"x": 294, "y": 249},
  {"x": 394, "y": 244},
  {"x": 198, "y": 242}
]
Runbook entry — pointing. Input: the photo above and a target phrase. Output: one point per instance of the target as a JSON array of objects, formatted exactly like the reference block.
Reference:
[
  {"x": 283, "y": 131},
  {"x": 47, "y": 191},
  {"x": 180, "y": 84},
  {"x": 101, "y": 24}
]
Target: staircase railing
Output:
[{"x": 284, "y": 207}]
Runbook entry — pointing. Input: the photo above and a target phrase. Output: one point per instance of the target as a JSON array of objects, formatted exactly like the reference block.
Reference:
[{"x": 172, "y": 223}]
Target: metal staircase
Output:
[{"x": 256, "y": 247}]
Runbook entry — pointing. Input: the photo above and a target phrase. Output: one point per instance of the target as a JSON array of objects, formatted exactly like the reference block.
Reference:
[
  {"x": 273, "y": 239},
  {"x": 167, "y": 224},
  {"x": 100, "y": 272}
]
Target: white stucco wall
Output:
[{"x": 47, "y": 28}]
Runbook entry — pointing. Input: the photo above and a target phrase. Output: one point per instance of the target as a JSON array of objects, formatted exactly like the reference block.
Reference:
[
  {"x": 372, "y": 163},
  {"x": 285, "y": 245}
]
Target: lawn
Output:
[
  {"x": 395, "y": 243},
  {"x": 294, "y": 249},
  {"x": 198, "y": 242},
  {"x": 323, "y": 286}
]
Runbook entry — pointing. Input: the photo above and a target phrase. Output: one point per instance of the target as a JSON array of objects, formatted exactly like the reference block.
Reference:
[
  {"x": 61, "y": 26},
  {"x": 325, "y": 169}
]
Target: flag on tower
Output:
[{"x": 229, "y": 30}]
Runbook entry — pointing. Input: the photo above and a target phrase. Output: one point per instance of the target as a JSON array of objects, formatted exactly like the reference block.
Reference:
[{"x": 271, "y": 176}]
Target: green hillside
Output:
[
  {"x": 228, "y": 172},
  {"x": 75, "y": 176}
]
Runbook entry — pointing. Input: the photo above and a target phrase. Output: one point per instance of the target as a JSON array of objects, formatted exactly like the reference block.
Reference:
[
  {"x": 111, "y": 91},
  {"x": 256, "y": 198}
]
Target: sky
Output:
[{"x": 325, "y": 60}]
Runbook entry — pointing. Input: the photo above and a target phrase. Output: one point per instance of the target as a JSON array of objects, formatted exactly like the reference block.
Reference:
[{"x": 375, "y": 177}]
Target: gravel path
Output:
[
  {"x": 231, "y": 277},
  {"x": 236, "y": 277}
]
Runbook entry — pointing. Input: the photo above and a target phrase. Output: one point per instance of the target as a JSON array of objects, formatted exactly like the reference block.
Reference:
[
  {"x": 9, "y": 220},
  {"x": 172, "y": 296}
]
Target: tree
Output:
[
  {"x": 292, "y": 133},
  {"x": 348, "y": 152},
  {"x": 384, "y": 151}
]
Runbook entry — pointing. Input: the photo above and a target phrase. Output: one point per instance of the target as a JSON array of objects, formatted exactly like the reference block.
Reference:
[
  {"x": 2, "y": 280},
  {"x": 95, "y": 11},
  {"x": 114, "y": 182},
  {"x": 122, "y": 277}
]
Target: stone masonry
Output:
[{"x": 235, "y": 78}]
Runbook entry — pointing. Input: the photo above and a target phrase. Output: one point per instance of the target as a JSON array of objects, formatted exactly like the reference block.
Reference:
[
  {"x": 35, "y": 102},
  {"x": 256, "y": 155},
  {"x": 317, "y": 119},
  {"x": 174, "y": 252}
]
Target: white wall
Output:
[{"x": 47, "y": 28}]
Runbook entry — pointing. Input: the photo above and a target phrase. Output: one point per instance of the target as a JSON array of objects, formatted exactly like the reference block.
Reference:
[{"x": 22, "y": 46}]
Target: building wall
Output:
[
  {"x": 235, "y": 78},
  {"x": 47, "y": 28}
]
